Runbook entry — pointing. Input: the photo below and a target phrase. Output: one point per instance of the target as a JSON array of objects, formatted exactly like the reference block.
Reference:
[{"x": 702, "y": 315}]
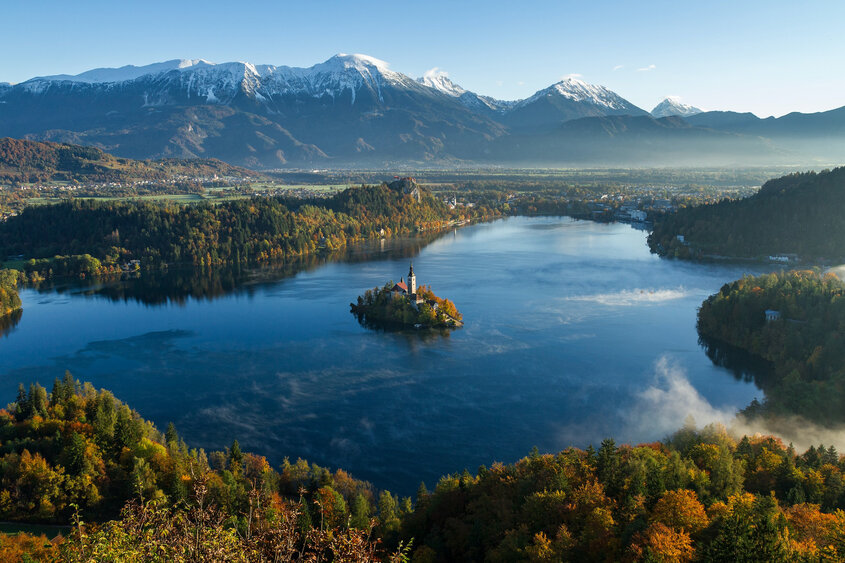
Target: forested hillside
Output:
[
  {"x": 76, "y": 454},
  {"x": 699, "y": 496},
  {"x": 31, "y": 161},
  {"x": 805, "y": 343},
  {"x": 257, "y": 229},
  {"x": 802, "y": 214},
  {"x": 9, "y": 299}
]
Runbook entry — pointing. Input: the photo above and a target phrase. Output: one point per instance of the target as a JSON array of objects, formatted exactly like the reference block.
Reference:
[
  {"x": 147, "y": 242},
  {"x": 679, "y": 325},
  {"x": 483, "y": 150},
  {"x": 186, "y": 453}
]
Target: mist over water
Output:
[{"x": 573, "y": 333}]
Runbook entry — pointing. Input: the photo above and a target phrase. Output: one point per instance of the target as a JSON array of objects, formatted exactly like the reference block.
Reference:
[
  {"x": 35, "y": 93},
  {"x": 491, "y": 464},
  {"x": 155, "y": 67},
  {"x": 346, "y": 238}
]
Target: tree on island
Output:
[{"x": 401, "y": 304}]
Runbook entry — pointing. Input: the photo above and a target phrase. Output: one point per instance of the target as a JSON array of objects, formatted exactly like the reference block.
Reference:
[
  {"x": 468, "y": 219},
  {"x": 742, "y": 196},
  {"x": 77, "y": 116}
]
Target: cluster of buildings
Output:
[{"x": 409, "y": 289}]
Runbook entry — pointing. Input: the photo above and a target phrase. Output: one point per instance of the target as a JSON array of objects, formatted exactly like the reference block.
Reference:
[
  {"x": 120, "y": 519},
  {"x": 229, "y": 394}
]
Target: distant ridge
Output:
[
  {"x": 30, "y": 161},
  {"x": 356, "y": 111}
]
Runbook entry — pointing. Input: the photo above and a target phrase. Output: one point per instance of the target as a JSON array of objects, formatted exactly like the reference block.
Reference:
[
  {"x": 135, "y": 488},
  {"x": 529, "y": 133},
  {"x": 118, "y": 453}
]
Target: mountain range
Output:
[{"x": 354, "y": 110}]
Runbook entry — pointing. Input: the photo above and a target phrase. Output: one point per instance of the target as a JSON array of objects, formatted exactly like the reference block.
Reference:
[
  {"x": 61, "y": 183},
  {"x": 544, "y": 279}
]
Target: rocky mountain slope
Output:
[{"x": 354, "y": 110}]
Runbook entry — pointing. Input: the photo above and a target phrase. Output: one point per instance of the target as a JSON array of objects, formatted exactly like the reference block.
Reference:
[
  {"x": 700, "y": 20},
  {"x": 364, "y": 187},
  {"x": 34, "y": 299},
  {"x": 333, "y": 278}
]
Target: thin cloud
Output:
[
  {"x": 617, "y": 67},
  {"x": 626, "y": 297},
  {"x": 647, "y": 68},
  {"x": 571, "y": 75},
  {"x": 436, "y": 73},
  {"x": 666, "y": 404}
]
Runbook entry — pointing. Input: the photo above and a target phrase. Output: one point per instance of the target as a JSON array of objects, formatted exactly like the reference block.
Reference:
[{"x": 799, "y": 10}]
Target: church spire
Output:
[{"x": 412, "y": 281}]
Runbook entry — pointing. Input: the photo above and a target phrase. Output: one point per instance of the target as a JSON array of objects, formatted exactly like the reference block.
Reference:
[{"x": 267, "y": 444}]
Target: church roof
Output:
[{"x": 401, "y": 286}]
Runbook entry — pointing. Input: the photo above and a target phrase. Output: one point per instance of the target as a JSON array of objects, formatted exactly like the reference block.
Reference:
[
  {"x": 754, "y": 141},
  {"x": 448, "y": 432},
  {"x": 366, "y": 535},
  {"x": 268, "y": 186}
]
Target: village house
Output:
[{"x": 772, "y": 315}]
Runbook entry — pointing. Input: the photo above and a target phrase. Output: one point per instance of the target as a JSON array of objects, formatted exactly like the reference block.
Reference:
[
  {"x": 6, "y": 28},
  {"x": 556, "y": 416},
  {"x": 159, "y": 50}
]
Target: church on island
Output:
[
  {"x": 409, "y": 290},
  {"x": 405, "y": 304}
]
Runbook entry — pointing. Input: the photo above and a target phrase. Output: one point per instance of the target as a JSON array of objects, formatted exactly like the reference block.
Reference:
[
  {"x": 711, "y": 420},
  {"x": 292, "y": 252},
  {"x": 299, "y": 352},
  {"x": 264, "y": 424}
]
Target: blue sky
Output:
[{"x": 766, "y": 57}]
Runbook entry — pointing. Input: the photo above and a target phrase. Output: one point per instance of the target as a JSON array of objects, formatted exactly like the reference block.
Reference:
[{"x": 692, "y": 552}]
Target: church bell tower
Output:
[{"x": 412, "y": 281}]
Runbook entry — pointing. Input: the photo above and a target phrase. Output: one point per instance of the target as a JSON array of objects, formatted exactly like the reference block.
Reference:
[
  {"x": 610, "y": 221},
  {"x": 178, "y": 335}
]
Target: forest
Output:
[
  {"x": 79, "y": 456},
  {"x": 801, "y": 214},
  {"x": 94, "y": 237},
  {"x": 804, "y": 344},
  {"x": 77, "y": 453},
  {"x": 382, "y": 307},
  {"x": 9, "y": 299},
  {"x": 23, "y": 161}
]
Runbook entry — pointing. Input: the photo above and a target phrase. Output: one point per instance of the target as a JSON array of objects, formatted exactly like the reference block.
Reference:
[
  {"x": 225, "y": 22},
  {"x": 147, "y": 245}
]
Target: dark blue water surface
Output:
[{"x": 573, "y": 332}]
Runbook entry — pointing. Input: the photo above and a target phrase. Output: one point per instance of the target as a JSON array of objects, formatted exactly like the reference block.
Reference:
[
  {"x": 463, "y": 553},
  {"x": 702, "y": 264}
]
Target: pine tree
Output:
[
  {"x": 235, "y": 458},
  {"x": 361, "y": 511},
  {"x": 171, "y": 438},
  {"x": 22, "y": 407},
  {"x": 38, "y": 400},
  {"x": 388, "y": 512}
]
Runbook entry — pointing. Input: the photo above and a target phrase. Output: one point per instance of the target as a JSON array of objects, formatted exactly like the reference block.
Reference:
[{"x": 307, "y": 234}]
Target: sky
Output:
[{"x": 769, "y": 58}]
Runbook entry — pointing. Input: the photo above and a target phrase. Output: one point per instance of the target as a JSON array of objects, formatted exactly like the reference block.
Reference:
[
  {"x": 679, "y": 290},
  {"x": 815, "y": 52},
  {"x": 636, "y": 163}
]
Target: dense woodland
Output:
[
  {"x": 383, "y": 307},
  {"x": 76, "y": 455},
  {"x": 9, "y": 300},
  {"x": 90, "y": 237},
  {"x": 804, "y": 346},
  {"x": 79, "y": 453},
  {"x": 802, "y": 214}
]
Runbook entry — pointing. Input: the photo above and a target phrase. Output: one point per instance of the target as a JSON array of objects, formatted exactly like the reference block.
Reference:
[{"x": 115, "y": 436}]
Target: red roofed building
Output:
[
  {"x": 401, "y": 287},
  {"x": 409, "y": 289}
]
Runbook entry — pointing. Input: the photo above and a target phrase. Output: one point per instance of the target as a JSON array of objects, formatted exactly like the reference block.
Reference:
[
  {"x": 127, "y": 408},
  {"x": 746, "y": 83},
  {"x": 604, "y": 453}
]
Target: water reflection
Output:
[
  {"x": 9, "y": 322},
  {"x": 553, "y": 351},
  {"x": 743, "y": 365},
  {"x": 412, "y": 335},
  {"x": 177, "y": 285}
]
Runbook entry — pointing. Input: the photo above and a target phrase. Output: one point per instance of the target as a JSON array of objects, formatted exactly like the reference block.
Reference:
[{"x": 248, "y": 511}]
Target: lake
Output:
[{"x": 573, "y": 332}]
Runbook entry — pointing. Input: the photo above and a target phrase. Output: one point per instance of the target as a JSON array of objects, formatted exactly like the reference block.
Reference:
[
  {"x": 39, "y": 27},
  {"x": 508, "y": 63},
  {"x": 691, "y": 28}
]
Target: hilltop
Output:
[
  {"x": 801, "y": 214},
  {"x": 83, "y": 236},
  {"x": 23, "y": 161}
]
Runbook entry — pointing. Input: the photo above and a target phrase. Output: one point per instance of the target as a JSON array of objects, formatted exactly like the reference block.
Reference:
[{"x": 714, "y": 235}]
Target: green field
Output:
[
  {"x": 212, "y": 195},
  {"x": 260, "y": 186}
]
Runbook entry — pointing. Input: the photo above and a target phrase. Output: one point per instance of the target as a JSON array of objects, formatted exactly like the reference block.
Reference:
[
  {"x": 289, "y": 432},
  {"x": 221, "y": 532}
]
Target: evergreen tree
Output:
[
  {"x": 171, "y": 438},
  {"x": 22, "y": 406},
  {"x": 235, "y": 458},
  {"x": 37, "y": 400},
  {"x": 361, "y": 512}
]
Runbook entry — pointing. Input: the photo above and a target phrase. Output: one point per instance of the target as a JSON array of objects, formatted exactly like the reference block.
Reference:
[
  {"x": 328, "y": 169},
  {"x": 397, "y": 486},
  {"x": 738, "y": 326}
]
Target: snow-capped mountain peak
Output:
[
  {"x": 221, "y": 82},
  {"x": 580, "y": 91},
  {"x": 335, "y": 76},
  {"x": 352, "y": 77},
  {"x": 439, "y": 80},
  {"x": 128, "y": 72},
  {"x": 672, "y": 105},
  {"x": 576, "y": 90},
  {"x": 358, "y": 62}
]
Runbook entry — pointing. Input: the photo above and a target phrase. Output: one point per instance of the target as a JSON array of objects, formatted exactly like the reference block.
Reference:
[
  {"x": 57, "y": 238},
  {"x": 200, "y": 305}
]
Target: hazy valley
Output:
[
  {"x": 354, "y": 311},
  {"x": 354, "y": 111}
]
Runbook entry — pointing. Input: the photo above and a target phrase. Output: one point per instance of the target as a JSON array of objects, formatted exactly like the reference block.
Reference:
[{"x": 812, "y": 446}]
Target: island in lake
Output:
[{"x": 405, "y": 304}]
